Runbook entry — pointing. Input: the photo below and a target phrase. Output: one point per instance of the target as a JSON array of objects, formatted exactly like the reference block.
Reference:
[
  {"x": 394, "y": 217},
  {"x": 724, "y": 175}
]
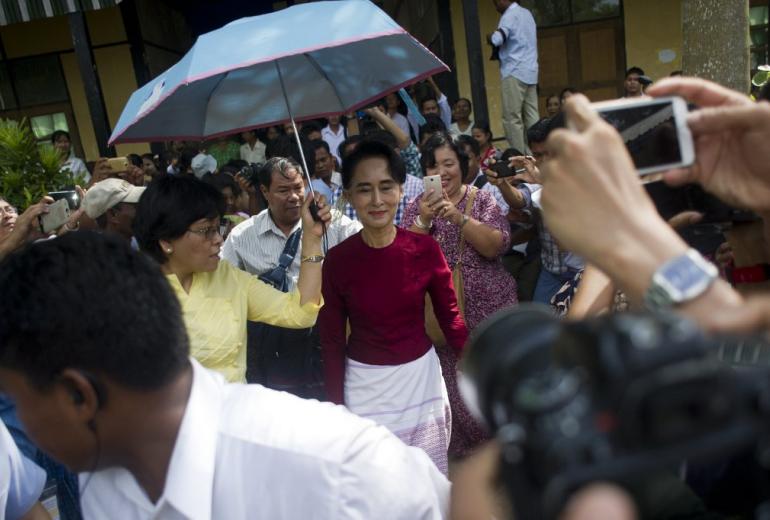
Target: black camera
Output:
[
  {"x": 251, "y": 173},
  {"x": 608, "y": 399}
]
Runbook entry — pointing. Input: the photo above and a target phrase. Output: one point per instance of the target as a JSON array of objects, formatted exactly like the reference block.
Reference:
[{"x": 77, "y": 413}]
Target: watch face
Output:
[{"x": 683, "y": 278}]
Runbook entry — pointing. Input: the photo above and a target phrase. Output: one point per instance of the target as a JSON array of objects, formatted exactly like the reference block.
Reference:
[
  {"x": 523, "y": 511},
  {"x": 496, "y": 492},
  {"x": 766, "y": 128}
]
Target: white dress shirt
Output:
[
  {"x": 255, "y": 244},
  {"x": 334, "y": 140},
  {"x": 21, "y": 480},
  {"x": 245, "y": 451},
  {"x": 254, "y": 155}
]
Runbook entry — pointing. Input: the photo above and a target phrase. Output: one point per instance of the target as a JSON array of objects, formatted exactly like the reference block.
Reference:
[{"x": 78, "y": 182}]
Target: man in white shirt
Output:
[
  {"x": 516, "y": 42},
  {"x": 252, "y": 150},
  {"x": 334, "y": 134},
  {"x": 326, "y": 177},
  {"x": 115, "y": 394},
  {"x": 255, "y": 245}
]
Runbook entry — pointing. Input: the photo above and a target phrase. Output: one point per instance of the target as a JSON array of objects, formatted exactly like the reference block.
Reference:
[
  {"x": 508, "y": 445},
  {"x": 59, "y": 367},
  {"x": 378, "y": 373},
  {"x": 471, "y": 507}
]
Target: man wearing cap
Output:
[
  {"x": 202, "y": 164},
  {"x": 112, "y": 204}
]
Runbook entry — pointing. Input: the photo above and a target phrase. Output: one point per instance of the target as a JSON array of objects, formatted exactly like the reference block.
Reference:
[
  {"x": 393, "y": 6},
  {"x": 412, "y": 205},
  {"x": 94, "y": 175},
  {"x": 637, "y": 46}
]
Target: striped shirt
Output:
[{"x": 255, "y": 245}]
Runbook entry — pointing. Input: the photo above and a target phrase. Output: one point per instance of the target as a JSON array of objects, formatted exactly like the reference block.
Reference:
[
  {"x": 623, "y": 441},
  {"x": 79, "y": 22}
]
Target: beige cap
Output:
[{"x": 108, "y": 194}]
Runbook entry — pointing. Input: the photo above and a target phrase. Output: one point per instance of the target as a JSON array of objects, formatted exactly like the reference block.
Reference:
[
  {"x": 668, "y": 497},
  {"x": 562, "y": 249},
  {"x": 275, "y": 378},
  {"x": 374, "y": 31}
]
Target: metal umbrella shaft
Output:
[{"x": 294, "y": 126}]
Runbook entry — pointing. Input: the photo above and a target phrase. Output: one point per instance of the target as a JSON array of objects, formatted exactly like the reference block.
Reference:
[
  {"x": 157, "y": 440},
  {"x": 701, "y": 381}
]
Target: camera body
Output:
[{"x": 605, "y": 399}]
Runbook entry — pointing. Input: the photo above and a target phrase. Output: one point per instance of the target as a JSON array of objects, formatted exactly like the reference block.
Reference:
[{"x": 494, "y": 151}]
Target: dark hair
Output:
[
  {"x": 484, "y": 127},
  {"x": 635, "y": 70},
  {"x": 440, "y": 140},
  {"x": 279, "y": 165},
  {"x": 433, "y": 124},
  {"x": 353, "y": 139},
  {"x": 151, "y": 157},
  {"x": 552, "y": 96},
  {"x": 87, "y": 301},
  {"x": 167, "y": 208},
  {"x": 470, "y": 105},
  {"x": 134, "y": 159},
  {"x": 571, "y": 90},
  {"x": 317, "y": 145},
  {"x": 425, "y": 99},
  {"x": 308, "y": 127},
  {"x": 384, "y": 137},
  {"x": 676, "y": 73},
  {"x": 367, "y": 149},
  {"x": 221, "y": 181},
  {"x": 58, "y": 133},
  {"x": 468, "y": 141},
  {"x": 510, "y": 152},
  {"x": 538, "y": 132},
  {"x": 286, "y": 146}
]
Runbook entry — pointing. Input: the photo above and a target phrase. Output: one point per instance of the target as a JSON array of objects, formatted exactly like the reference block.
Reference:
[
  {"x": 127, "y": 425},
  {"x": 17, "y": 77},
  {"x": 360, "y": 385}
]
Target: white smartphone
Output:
[
  {"x": 654, "y": 129},
  {"x": 432, "y": 182},
  {"x": 58, "y": 215}
]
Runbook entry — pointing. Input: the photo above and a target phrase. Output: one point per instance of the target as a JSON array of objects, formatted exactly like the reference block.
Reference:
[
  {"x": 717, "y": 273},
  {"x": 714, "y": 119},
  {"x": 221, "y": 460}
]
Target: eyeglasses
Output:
[
  {"x": 209, "y": 233},
  {"x": 8, "y": 209}
]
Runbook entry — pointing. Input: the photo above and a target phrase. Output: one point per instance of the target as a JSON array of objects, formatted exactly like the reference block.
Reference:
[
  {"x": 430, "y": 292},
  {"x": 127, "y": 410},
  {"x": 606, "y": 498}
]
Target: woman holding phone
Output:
[
  {"x": 376, "y": 281},
  {"x": 476, "y": 237},
  {"x": 178, "y": 224}
]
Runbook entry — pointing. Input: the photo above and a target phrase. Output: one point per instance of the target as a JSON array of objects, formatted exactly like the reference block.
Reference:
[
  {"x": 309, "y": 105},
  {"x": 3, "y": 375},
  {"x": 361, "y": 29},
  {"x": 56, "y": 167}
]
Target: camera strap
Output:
[{"x": 277, "y": 276}]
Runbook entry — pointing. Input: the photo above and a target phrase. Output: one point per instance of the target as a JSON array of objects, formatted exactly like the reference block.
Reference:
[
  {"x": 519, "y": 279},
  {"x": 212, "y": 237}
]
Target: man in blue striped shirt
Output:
[{"x": 516, "y": 42}]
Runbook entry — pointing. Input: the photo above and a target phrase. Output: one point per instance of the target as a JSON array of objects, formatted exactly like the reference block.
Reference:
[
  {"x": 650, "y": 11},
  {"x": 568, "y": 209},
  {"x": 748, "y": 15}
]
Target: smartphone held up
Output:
[{"x": 654, "y": 130}]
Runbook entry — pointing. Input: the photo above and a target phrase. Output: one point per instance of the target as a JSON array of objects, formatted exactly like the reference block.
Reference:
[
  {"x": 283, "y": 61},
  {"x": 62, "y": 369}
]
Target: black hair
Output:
[
  {"x": 167, "y": 208},
  {"x": 368, "y": 149},
  {"x": 384, "y": 137},
  {"x": 440, "y": 140},
  {"x": 317, "y": 145},
  {"x": 221, "y": 181},
  {"x": 538, "y": 132},
  {"x": 484, "y": 127},
  {"x": 58, "y": 133},
  {"x": 280, "y": 165},
  {"x": 134, "y": 159},
  {"x": 352, "y": 140},
  {"x": 87, "y": 301},
  {"x": 553, "y": 96},
  {"x": 433, "y": 124},
  {"x": 468, "y": 141},
  {"x": 286, "y": 146},
  {"x": 764, "y": 92},
  {"x": 470, "y": 105},
  {"x": 151, "y": 157},
  {"x": 510, "y": 152},
  {"x": 571, "y": 90},
  {"x": 426, "y": 98},
  {"x": 308, "y": 127},
  {"x": 635, "y": 70}
]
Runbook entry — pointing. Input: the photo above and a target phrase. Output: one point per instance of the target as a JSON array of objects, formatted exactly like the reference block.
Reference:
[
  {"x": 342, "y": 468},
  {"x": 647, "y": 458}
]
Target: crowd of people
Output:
[{"x": 126, "y": 335}]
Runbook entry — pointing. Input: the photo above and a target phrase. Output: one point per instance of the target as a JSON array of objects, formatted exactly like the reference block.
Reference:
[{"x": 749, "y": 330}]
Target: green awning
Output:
[{"x": 15, "y": 11}]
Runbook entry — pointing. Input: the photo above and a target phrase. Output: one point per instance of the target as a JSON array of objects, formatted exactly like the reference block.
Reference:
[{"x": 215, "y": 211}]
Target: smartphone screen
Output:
[{"x": 649, "y": 131}]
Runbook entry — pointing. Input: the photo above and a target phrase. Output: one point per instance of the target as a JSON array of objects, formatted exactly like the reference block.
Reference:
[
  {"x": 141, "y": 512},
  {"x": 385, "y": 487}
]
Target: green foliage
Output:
[{"x": 27, "y": 171}]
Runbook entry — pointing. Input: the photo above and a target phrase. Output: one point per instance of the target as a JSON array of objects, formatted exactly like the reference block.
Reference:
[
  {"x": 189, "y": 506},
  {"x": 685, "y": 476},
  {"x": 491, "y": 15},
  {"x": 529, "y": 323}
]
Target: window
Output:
[
  {"x": 45, "y": 125},
  {"x": 758, "y": 23},
  {"x": 38, "y": 80},
  {"x": 549, "y": 13}
]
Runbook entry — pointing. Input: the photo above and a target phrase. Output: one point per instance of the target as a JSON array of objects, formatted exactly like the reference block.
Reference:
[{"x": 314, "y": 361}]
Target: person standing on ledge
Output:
[{"x": 515, "y": 45}]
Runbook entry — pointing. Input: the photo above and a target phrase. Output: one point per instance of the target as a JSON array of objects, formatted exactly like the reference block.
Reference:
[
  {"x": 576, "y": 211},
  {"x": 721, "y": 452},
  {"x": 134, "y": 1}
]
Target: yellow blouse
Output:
[{"x": 217, "y": 307}]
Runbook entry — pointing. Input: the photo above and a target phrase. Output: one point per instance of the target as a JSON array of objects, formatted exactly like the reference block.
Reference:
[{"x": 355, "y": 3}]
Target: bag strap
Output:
[
  {"x": 290, "y": 249},
  {"x": 467, "y": 213}
]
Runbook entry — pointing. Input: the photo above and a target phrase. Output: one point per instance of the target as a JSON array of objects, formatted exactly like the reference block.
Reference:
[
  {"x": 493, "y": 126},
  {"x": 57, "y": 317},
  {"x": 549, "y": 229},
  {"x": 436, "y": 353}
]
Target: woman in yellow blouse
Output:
[{"x": 178, "y": 224}]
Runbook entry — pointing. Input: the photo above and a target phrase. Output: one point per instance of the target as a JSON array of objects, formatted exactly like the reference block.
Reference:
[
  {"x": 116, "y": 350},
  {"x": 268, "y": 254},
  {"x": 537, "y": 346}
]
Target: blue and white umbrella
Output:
[{"x": 311, "y": 60}]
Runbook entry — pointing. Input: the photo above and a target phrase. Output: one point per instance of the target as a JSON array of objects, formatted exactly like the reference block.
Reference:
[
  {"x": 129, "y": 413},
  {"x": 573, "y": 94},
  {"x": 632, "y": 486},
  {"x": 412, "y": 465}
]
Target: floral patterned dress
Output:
[{"x": 488, "y": 288}]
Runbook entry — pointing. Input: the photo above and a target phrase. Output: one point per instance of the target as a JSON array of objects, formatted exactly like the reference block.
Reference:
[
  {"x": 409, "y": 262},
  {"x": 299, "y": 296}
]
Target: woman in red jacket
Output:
[{"x": 376, "y": 281}]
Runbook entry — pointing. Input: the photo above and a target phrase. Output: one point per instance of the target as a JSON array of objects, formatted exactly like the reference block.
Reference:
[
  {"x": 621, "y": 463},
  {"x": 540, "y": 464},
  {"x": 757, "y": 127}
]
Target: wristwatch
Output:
[{"x": 680, "y": 280}]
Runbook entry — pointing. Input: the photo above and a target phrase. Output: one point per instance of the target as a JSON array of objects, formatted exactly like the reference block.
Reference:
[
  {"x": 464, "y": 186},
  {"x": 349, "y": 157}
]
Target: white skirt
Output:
[{"x": 410, "y": 400}]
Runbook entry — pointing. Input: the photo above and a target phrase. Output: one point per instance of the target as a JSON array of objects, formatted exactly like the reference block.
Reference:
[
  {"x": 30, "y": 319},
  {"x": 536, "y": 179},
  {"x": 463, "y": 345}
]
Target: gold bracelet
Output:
[{"x": 314, "y": 259}]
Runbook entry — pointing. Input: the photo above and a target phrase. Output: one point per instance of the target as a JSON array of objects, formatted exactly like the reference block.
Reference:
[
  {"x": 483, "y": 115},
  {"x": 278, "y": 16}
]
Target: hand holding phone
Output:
[
  {"x": 432, "y": 182},
  {"x": 58, "y": 215},
  {"x": 118, "y": 164}
]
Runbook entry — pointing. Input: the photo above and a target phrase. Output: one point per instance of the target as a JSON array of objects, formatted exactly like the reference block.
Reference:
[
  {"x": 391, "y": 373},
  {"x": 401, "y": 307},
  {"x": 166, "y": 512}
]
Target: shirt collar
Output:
[
  {"x": 263, "y": 223},
  {"x": 190, "y": 479},
  {"x": 336, "y": 179}
]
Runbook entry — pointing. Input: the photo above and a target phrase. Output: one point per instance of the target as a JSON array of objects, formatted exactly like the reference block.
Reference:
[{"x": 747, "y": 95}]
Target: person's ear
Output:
[
  {"x": 82, "y": 392},
  {"x": 263, "y": 190},
  {"x": 166, "y": 246}
]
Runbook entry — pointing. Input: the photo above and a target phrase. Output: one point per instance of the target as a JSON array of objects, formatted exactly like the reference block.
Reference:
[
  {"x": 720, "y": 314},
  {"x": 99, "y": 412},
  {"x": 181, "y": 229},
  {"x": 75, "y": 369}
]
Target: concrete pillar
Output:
[{"x": 716, "y": 41}]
